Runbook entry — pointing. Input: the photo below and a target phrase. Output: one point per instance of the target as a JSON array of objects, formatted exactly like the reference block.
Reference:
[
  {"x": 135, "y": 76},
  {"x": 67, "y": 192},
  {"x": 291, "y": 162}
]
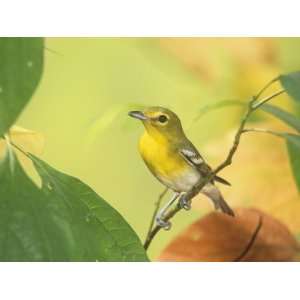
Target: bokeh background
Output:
[{"x": 89, "y": 84}]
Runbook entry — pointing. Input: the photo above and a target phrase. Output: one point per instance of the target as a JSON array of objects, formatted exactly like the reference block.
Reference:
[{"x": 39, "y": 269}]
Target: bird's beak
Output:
[{"x": 138, "y": 115}]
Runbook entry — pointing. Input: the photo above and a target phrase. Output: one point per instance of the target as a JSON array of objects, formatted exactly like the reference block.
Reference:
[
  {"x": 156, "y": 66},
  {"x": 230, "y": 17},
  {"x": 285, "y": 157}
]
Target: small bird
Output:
[{"x": 174, "y": 160}]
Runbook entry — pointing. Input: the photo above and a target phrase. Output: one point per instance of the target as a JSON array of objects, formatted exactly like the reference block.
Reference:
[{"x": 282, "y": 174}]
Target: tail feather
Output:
[
  {"x": 215, "y": 195},
  {"x": 225, "y": 207},
  {"x": 222, "y": 180}
]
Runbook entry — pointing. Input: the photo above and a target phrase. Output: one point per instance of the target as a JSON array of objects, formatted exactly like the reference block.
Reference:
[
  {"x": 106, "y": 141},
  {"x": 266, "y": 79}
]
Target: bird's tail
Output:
[
  {"x": 225, "y": 207},
  {"x": 215, "y": 195}
]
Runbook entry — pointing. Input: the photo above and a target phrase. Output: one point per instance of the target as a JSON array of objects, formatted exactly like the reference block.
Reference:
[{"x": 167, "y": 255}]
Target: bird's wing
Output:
[{"x": 193, "y": 157}]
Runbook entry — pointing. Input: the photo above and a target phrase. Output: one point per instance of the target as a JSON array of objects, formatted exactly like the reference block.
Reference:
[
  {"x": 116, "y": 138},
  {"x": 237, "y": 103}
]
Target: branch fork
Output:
[{"x": 253, "y": 105}]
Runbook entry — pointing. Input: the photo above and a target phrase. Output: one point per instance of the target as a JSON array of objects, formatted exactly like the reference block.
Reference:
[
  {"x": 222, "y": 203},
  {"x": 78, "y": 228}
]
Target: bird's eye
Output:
[{"x": 162, "y": 119}]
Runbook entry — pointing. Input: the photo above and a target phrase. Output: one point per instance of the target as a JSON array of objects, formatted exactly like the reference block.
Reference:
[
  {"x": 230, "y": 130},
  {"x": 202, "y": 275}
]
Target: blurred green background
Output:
[{"x": 89, "y": 84}]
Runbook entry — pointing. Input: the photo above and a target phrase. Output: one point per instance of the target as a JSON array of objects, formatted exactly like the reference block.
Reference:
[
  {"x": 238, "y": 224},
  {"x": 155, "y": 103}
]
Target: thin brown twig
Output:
[
  {"x": 263, "y": 130},
  {"x": 157, "y": 228},
  {"x": 263, "y": 101},
  {"x": 266, "y": 86},
  {"x": 157, "y": 206},
  {"x": 251, "y": 241},
  {"x": 253, "y": 105}
]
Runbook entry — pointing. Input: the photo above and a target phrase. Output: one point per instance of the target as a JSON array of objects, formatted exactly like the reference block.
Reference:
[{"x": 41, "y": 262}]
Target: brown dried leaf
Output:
[{"x": 218, "y": 237}]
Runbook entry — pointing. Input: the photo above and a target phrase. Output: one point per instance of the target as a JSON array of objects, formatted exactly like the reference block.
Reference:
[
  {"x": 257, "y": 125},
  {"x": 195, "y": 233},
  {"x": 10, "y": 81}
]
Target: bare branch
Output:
[
  {"x": 251, "y": 108},
  {"x": 157, "y": 206},
  {"x": 157, "y": 228},
  {"x": 253, "y": 105}
]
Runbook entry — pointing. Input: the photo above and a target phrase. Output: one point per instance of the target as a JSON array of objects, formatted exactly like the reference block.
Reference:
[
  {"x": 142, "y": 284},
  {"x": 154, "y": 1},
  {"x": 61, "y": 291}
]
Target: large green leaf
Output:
[
  {"x": 21, "y": 64},
  {"x": 291, "y": 83},
  {"x": 294, "y": 156},
  {"x": 283, "y": 115},
  {"x": 65, "y": 220},
  {"x": 293, "y": 146}
]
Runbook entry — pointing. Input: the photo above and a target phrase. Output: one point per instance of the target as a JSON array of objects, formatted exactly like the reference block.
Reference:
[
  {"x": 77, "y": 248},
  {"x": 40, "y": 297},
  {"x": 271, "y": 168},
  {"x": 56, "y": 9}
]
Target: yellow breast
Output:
[
  {"x": 166, "y": 164},
  {"x": 160, "y": 157}
]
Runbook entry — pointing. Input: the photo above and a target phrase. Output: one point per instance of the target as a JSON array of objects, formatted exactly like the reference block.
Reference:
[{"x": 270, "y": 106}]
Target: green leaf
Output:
[
  {"x": 24, "y": 233},
  {"x": 65, "y": 220},
  {"x": 292, "y": 138},
  {"x": 106, "y": 119},
  {"x": 283, "y": 115},
  {"x": 293, "y": 146},
  {"x": 21, "y": 64},
  {"x": 291, "y": 83},
  {"x": 214, "y": 106}
]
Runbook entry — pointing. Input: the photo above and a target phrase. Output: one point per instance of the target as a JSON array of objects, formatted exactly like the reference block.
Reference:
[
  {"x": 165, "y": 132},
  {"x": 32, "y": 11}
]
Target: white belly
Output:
[{"x": 183, "y": 182}]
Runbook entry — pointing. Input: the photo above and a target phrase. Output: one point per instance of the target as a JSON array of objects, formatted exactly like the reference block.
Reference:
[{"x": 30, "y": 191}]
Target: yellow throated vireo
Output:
[{"x": 174, "y": 160}]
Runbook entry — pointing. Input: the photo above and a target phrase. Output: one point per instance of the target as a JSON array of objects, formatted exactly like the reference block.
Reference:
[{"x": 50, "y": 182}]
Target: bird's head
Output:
[{"x": 159, "y": 121}]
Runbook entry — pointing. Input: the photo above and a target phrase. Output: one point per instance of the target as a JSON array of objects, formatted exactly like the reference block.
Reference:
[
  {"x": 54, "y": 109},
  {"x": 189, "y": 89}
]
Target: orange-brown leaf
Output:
[{"x": 218, "y": 237}]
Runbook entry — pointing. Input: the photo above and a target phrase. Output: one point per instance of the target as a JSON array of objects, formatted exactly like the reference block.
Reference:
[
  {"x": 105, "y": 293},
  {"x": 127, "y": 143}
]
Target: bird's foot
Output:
[
  {"x": 185, "y": 203},
  {"x": 166, "y": 225}
]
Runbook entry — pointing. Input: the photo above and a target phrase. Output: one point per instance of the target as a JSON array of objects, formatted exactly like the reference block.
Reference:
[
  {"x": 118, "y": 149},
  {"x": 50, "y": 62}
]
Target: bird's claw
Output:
[
  {"x": 184, "y": 203},
  {"x": 166, "y": 225}
]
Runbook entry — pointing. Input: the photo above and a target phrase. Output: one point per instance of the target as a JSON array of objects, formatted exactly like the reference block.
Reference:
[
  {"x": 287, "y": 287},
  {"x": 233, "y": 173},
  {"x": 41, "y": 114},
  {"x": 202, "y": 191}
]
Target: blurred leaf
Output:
[
  {"x": 65, "y": 220},
  {"x": 292, "y": 138},
  {"x": 210, "y": 58},
  {"x": 21, "y": 64},
  {"x": 293, "y": 146},
  {"x": 291, "y": 83},
  {"x": 218, "y": 237},
  {"x": 29, "y": 140},
  {"x": 106, "y": 120},
  {"x": 283, "y": 115},
  {"x": 220, "y": 104}
]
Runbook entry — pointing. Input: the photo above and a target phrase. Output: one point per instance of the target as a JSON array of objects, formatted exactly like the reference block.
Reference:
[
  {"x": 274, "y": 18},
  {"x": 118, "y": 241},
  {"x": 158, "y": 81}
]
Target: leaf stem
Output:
[
  {"x": 19, "y": 148},
  {"x": 263, "y": 130},
  {"x": 252, "y": 240},
  {"x": 267, "y": 86},
  {"x": 257, "y": 105}
]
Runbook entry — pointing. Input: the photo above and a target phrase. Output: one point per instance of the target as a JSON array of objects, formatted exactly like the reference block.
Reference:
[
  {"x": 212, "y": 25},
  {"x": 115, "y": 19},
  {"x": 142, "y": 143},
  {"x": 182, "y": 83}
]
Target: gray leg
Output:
[
  {"x": 161, "y": 214},
  {"x": 184, "y": 203}
]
